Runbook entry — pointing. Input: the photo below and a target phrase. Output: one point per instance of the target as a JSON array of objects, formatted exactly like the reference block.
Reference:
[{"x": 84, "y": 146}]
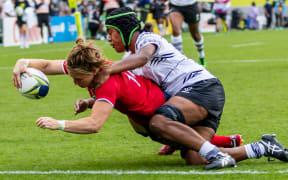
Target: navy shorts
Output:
[
  {"x": 43, "y": 19},
  {"x": 221, "y": 15},
  {"x": 210, "y": 95},
  {"x": 20, "y": 21},
  {"x": 93, "y": 27},
  {"x": 190, "y": 13}
]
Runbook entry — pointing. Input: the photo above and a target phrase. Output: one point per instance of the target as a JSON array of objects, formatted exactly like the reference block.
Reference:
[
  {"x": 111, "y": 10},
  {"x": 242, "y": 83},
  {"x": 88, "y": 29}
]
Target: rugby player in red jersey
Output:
[{"x": 130, "y": 94}]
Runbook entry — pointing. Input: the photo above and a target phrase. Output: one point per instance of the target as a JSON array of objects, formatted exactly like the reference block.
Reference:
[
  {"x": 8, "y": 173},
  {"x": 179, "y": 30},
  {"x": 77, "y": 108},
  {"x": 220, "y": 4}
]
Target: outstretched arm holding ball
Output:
[
  {"x": 100, "y": 109},
  {"x": 92, "y": 124},
  {"x": 48, "y": 67}
]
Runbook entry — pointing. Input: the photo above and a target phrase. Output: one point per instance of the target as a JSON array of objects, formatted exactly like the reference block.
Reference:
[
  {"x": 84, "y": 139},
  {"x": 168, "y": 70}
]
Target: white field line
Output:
[
  {"x": 6, "y": 68},
  {"x": 39, "y": 51},
  {"x": 213, "y": 62},
  {"x": 247, "y": 61},
  {"x": 245, "y": 45},
  {"x": 143, "y": 172}
]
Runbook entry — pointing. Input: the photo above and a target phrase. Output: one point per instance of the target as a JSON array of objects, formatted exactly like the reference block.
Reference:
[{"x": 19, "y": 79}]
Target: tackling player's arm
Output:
[
  {"x": 130, "y": 62},
  {"x": 134, "y": 60},
  {"x": 99, "y": 114},
  {"x": 49, "y": 67}
]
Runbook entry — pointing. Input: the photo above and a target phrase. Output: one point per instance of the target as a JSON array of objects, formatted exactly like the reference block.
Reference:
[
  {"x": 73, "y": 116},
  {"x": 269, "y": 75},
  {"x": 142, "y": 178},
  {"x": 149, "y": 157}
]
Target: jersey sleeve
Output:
[
  {"x": 146, "y": 38},
  {"x": 107, "y": 91}
]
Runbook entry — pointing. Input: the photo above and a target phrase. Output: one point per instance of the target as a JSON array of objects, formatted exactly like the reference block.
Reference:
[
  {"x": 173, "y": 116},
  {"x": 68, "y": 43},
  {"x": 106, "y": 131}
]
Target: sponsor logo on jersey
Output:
[
  {"x": 192, "y": 75},
  {"x": 157, "y": 60},
  {"x": 186, "y": 90}
]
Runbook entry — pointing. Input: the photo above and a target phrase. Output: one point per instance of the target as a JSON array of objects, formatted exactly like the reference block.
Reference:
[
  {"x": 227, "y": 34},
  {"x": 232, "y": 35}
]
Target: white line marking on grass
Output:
[
  {"x": 6, "y": 68},
  {"x": 38, "y": 51},
  {"x": 245, "y": 45},
  {"x": 248, "y": 61},
  {"x": 123, "y": 172}
]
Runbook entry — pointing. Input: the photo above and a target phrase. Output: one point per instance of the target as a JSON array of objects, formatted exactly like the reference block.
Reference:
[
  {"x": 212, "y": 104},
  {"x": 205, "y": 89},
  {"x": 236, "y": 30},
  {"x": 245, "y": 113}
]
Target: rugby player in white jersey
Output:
[
  {"x": 220, "y": 9},
  {"x": 190, "y": 118},
  {"x": 188, "y": 11},
  {"x": 20, "y": 8},
  {"x": 42, "y": 11}
]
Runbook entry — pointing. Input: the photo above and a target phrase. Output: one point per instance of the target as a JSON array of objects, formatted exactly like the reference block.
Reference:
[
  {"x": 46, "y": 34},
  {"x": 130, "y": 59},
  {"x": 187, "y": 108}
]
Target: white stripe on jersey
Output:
[
  {"x": 168, "y": 68},
  {"x": 132, "y": 77},
  {"x": 182, "y": 2},
  {"x": 104, "y": 99}
]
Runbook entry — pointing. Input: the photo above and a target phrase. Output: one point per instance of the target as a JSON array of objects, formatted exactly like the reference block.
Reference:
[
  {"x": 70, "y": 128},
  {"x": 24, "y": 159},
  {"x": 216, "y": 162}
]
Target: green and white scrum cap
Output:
[{"x": 125, "y": 21}]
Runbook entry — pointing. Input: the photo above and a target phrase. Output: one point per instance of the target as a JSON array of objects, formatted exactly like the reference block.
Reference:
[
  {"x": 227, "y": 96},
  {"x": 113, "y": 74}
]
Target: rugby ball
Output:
[{"x": 35, "y": 86}]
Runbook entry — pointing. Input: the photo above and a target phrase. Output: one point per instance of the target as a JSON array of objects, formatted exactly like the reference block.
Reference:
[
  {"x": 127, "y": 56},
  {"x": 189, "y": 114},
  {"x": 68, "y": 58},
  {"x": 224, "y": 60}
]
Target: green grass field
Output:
[{"x": 252, "y": 66}]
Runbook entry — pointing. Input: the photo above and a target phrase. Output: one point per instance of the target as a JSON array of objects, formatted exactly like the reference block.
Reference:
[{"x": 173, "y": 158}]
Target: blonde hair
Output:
[{"x": 84, "y": 58}]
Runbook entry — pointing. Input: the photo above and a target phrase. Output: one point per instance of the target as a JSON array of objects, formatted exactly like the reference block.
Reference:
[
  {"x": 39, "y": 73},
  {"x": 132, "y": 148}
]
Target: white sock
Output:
[
  {"x": 21, "y": 41},
  {"x": 208, "y": 150},
  {"x": 254, "y": 150},
  {"x": 200, "y": 47},
  {"x": 176, "y": 41},
  {"x": 26, "y": 43}
]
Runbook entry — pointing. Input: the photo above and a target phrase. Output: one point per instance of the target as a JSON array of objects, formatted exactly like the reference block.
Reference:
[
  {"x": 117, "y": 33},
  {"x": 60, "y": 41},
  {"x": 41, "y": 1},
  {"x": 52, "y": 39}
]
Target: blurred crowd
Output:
[
  {"x": 269, "y": 16},
  {"x": 94, "y": 11}
]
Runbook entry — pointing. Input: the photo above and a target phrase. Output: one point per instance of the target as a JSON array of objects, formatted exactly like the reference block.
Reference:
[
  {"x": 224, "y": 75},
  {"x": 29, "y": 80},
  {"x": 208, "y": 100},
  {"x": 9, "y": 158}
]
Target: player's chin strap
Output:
[{"x": 126, "y": 44}]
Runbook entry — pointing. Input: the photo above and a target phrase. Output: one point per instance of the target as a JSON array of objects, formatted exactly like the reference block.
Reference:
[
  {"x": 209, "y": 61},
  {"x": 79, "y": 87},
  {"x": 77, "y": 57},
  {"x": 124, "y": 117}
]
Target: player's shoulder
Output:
[
  {"x": 112, "y": 84},
  {"x": 116, "y": 80},
  {"x": 126, "y": 77},
  {"x": 148, "y": 35},
  {"x": 145, "y": 38},
  {"x": 113, "y": 79},
  {"x": 119, "y": 82}
]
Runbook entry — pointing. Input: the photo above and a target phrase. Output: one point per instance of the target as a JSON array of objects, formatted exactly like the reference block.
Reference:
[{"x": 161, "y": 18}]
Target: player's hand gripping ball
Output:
[{"x": 35, "y": 86}]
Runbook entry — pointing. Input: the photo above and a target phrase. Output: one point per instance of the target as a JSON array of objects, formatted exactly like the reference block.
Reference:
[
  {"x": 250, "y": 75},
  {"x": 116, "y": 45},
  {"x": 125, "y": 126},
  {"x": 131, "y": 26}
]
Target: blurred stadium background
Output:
[{"x": 64, "y": 28}]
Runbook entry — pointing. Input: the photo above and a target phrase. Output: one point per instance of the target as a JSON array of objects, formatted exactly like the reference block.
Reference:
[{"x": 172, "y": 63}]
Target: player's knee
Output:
[
  {"x": 157, "y": 124},
  {"x": 162, "y": 119},
  {"x": 171, "y": 112}
]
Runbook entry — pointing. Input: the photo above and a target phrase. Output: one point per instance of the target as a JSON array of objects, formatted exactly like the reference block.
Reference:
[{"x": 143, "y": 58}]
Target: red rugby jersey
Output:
[{"x": 130, "y": 94}]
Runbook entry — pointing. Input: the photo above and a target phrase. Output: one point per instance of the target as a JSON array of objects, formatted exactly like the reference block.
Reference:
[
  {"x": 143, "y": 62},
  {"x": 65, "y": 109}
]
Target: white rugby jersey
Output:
[
  {"x": 44, "y": 6},
  {"x": 182, "y": 2},
  {"x": 221, "y": 6},
  {"x": 167, "y": 67}
]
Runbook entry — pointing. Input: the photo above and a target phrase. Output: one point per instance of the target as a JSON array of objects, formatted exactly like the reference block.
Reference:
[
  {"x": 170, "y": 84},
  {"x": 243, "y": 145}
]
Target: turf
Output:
[{"x": 252, "y": 66}]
